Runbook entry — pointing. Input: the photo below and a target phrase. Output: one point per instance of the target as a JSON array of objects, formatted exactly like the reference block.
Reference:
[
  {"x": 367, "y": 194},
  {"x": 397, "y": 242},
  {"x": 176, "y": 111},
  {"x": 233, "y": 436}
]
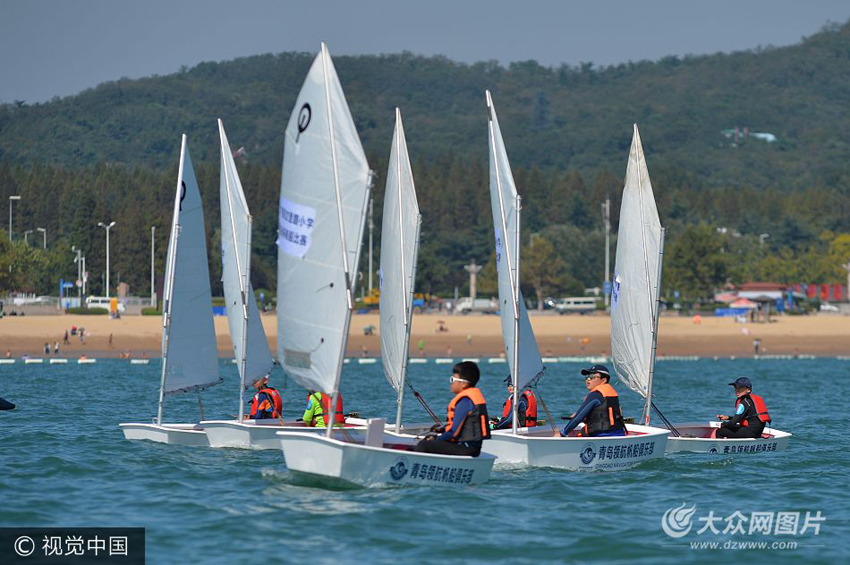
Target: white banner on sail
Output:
[{"x": 295, "y": 224}]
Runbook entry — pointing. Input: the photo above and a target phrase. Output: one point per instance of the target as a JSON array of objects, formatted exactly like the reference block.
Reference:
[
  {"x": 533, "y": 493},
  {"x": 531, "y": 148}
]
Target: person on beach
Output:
[
  {"x": 46, "y": 348},
  {"x": 65, "y": 340},
  {"x": 267, "y": 403},
  {"x": 55, "y": 348},
  {"x": 318, "y": 405},
  {"x": 466, "y": 424},
  {"x": 526, "y": 409},
  {"x": 600, "y": 410},
  {"x": 750, "y": 413}
]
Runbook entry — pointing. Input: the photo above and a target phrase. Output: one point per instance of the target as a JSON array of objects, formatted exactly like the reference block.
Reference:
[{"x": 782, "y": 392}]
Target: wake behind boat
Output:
[
  {"x": 538, "y": 446},
  {"x": 189, "y": 352}
]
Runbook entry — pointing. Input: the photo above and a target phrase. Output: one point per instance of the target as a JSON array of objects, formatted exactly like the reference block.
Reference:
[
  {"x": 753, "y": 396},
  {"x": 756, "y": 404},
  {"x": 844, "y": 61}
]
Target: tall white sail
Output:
[
  {"x": 190, "y": 356},
  {"x": 505, "y": 205},
  {"x": 634, "y": 292},
  {"x": 323, "y": 196},
  {"x": 399, "y": 245},
  {"x": 250, "y": 347}
]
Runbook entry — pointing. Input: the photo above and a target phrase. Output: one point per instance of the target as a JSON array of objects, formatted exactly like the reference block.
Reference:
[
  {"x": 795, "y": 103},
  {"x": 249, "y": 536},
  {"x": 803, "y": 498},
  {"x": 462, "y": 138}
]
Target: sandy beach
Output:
[{"x": 473, "y": 335}]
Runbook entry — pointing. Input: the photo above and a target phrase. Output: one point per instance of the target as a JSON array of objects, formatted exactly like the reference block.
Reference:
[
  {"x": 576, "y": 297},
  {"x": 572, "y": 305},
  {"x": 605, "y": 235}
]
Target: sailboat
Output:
[
  {"x": 250, "y": 348},
  {"x": 379, "y": 459},
  {"x": 539, "y": 445},
  {"x": 189, "y": 352}
]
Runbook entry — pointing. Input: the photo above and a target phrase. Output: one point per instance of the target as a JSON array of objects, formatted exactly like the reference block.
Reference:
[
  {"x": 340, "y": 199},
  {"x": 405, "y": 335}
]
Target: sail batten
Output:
[
  {"x": 324, "y": 190},
  {"x": 250, "y": 346},
  {"x": 399, "y": 245},
  {"x": 636, "y": 276},
  {"x": 521, "y": 349}
]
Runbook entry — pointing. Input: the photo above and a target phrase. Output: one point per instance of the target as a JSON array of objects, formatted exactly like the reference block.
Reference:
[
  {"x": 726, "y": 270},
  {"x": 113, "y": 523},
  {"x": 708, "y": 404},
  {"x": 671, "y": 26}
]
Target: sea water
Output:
[{"x": 64, "y": 463}]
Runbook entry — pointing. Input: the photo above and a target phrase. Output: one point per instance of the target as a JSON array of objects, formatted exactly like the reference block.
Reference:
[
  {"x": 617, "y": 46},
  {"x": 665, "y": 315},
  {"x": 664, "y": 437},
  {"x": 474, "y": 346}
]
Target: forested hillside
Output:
[{"x": 110, "y": 153}]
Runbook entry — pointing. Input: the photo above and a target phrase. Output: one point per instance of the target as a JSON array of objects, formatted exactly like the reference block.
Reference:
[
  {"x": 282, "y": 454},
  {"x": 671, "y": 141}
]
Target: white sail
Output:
[
  {"x": 189, "y": 348},
  {"x": 504, "y": 203},
  {"x": 399, "y": 244},
  {"x": 324, "y": 190},
  {"x": 634, "y": 289},
  {"x": 242, "y": 312}
]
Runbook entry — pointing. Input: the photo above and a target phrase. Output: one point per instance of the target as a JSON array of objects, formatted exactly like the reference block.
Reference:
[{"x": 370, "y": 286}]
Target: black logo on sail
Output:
[{"x": 304, "y": 116}]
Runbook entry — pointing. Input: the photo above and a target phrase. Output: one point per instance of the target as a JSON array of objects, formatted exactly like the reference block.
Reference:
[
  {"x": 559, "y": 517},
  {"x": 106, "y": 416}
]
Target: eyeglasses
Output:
[
  {"x": 454, "y": 379},
  {"x": 593, "y": 376}
]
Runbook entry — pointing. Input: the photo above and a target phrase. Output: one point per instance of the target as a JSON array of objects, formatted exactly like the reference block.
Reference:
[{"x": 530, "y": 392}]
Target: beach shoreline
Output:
[{"x": 464, "y": 336}]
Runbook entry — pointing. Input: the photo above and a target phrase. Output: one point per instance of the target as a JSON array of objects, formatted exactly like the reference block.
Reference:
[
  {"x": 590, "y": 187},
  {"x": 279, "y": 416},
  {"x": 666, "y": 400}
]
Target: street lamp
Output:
[
  {"x": 26, "y": 233},
  {"x": 762, "y": 237},
  {"x": 44, "y": 236},
  {"x": 10, "y": 214},
  {"x": 153, "y": 288},
  {"x": 79, "y": 261},
  {"x": 107, "y": 228}
]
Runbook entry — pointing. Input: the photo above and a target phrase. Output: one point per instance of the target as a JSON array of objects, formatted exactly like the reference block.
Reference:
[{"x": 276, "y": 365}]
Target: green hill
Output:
[{"x": 110, "y": 152}]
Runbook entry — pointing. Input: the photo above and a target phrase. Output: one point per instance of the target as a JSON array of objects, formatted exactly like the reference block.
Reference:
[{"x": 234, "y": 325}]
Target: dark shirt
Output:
[
  {"x": 591, "y": 401},
  {"x": 263, "y": 414},
  {"x": 746, "y": 411},
  {"x": 462, "y": 409},
  {"x": 507, "y": 421}
]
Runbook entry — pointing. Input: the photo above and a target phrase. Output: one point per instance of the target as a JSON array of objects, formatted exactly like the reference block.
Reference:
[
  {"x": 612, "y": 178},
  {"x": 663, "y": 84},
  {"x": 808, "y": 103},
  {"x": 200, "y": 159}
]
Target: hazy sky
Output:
[{"x": 55, "y": 47}]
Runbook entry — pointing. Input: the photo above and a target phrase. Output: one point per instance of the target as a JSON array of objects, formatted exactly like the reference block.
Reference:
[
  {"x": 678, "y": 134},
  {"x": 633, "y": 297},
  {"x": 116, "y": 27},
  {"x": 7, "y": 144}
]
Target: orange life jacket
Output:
[
  {"x": 530, "y": 411},
  {"x": 339, "y": 416},
  {"x": 761, "y": 409},
  {"x": 608, "y": 415},
  {"x": 474, "y": 427},
  {"x": 276, "y": 407}
]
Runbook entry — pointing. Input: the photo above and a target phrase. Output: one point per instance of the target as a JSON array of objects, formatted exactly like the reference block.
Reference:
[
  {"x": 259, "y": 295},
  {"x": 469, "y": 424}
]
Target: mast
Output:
[
  {"x": 243, "y": 362},
  {"x": 648, "y": 406},
  {"x": 345, "y": 267},
  {"x": 514, "y": 282},
  {"x": 169, "y": 282},
  {"x": 515, "y": 402}
]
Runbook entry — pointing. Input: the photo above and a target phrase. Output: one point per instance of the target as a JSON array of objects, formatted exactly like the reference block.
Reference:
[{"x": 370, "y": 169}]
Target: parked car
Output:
[{"x": 827, "y": 307}]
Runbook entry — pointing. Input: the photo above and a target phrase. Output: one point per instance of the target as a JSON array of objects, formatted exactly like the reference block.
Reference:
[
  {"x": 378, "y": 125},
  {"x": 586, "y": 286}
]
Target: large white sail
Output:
[
  {"x": 189, "y": 348},
  {"x": 634, "y": 292},
  {"x": 324, "y": 190},
  {"x": 504, "y": 203},
  {"x": 399, "y": 244},
  {"x": 250, "y": 347}
]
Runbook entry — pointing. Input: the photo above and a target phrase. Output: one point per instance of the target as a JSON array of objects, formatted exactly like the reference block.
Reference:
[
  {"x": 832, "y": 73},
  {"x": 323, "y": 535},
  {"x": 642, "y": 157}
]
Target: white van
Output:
[
  {"x": 576, "y": 304},
  {"x": 102, "y": 302}
]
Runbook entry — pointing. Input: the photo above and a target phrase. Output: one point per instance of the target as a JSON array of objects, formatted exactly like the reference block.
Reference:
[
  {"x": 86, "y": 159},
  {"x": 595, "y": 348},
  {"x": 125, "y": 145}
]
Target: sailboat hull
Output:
[
  {"x": 699, "y": 440},
  {"x": 172, "y": 434},
  {"x": 536, "y": 447},
  {"x": 259, "y": 434},
  {"x": 391, "y": 465}
]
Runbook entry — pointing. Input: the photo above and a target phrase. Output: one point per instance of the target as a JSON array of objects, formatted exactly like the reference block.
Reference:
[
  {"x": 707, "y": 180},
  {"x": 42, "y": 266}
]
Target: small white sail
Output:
[
  {"x": 189, "y": 348},
  {"x": 399, "y": 244},
  {"x": 323, "y": 196},
  {"x": 504, "y": 203},
  {"x": 634, "y": 289},
  {"x": 242, "y": 311}
]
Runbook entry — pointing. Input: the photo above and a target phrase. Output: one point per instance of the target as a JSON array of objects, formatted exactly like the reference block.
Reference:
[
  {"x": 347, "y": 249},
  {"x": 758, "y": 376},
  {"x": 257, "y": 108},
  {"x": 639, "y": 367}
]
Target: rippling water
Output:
[{"x": 64, "y": 462}]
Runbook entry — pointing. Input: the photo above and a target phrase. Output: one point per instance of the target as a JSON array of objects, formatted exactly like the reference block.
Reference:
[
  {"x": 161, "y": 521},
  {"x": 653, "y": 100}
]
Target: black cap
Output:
[
  {"x": 742, "y": 382},
  {"x": 601, "y": 369}
]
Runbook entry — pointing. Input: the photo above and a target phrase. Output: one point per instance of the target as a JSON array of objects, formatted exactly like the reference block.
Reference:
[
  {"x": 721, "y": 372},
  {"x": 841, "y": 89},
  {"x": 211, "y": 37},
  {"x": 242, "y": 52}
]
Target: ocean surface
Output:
[{"x": 64, "y": 463}]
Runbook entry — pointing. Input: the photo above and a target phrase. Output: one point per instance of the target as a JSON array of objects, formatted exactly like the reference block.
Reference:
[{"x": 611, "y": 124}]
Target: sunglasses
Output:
[{"x": 593, "y": 376}]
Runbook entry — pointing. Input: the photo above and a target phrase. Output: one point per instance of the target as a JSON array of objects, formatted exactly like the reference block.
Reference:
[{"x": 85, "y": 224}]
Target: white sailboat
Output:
[
  {"x": 189, "y": 353},
  {"x": 541, "y": 446},
  {"x": 377, "y": 459},
  {"x": 250, "y": 348}
]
